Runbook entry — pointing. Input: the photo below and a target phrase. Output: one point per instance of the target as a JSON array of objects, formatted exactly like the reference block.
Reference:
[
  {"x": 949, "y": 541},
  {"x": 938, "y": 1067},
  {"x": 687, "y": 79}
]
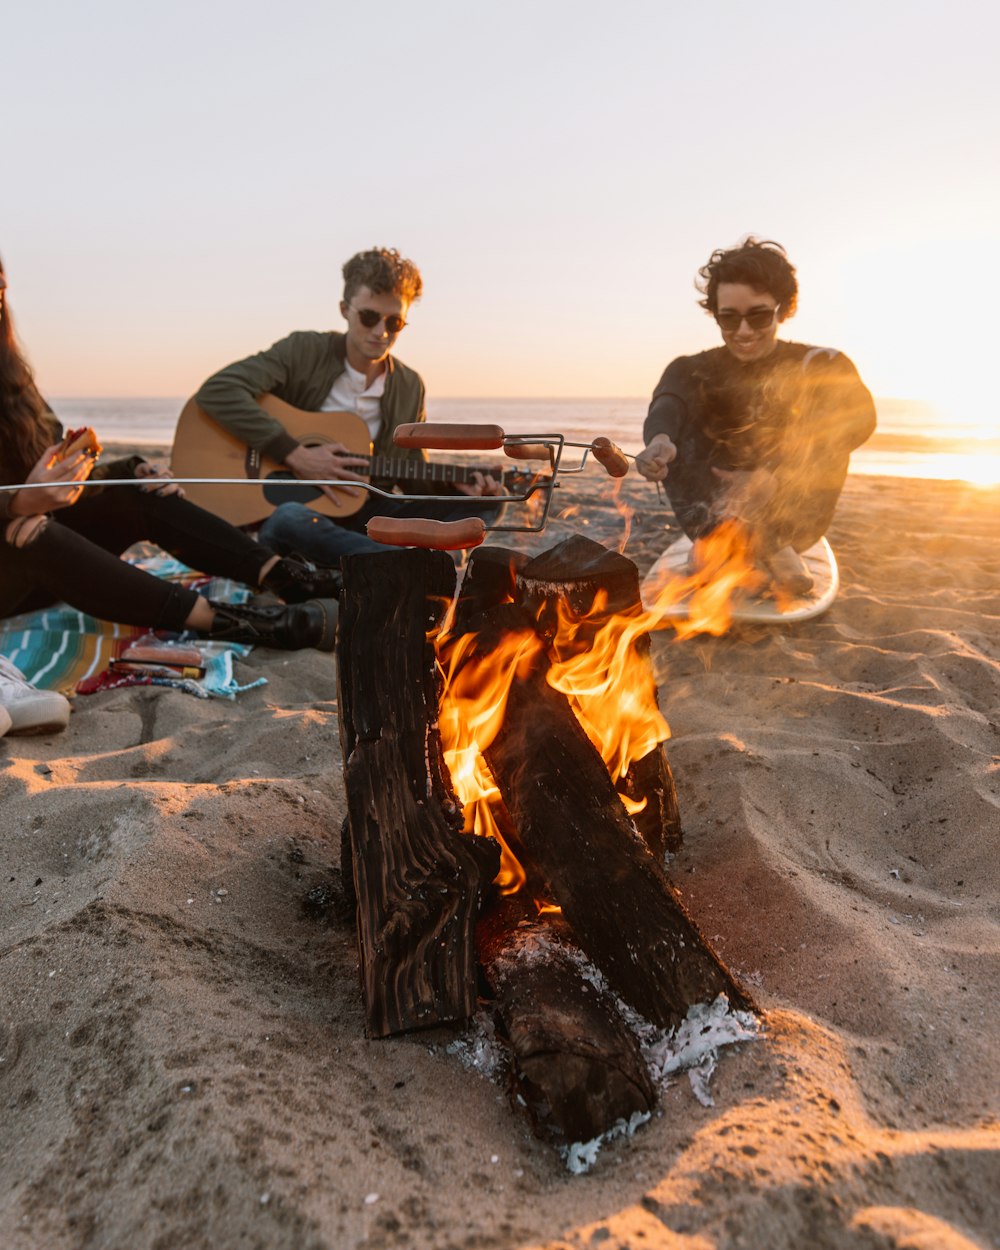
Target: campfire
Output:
[{"x": 510, "y": 810}]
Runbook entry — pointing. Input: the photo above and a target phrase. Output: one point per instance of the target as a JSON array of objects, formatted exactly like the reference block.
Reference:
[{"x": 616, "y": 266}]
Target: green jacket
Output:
[{"x": 301, "y": 369}]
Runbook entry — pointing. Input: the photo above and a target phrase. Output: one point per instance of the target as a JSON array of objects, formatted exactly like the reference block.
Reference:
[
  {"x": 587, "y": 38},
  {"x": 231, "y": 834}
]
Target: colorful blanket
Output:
[{"x": 59, "y": 648}]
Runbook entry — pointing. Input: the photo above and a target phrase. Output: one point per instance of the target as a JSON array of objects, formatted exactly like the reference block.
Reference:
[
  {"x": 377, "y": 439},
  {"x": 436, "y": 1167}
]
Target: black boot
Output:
[
  {"x": 289, "y": 627},
  {"x": 295, "y": 580}
]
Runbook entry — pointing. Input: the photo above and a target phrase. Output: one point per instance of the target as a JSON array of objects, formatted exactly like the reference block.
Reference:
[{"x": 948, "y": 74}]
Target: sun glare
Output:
[
  {"x": 972, "y": 469},
  {"x": 956, "y": 441}
]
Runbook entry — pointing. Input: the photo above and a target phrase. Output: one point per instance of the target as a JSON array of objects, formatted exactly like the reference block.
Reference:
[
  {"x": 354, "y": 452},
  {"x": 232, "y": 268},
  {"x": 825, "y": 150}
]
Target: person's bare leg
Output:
[{"x": 201, "y": 616}]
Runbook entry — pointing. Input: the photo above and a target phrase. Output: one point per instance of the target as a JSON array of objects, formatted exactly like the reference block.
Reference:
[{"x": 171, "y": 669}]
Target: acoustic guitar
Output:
[{"x": 204, "y": 448}]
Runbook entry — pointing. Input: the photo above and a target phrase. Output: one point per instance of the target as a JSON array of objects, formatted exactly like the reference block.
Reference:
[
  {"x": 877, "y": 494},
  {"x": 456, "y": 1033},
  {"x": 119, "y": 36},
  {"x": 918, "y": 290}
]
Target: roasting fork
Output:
[{"x": 439, "y": 436}]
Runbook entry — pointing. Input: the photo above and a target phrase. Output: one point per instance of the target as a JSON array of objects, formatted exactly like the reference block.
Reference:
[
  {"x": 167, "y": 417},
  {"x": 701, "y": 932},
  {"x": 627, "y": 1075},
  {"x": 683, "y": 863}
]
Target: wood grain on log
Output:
[
  {"x": 419, "y": 880},
  {"x": 575, "y": 1064},
  {"x": 612, "y": 890},
  {"x": 488, "y": 581},
  {"x": 594, "y": 585}
]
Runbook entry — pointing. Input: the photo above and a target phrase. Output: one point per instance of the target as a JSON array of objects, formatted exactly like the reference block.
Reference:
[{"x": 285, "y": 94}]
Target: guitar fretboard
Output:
[{"x": 397, "y": 469}]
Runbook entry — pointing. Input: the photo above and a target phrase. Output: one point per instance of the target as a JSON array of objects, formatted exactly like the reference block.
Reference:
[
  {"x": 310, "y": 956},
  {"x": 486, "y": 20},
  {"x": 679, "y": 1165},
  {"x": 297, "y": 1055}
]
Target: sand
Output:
[{"x": 182, "y": 1051}]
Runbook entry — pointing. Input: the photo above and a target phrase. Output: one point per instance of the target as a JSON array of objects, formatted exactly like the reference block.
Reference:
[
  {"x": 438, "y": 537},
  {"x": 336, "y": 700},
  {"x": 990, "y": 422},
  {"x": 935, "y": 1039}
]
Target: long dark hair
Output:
[{"x": 23, "y": 433}]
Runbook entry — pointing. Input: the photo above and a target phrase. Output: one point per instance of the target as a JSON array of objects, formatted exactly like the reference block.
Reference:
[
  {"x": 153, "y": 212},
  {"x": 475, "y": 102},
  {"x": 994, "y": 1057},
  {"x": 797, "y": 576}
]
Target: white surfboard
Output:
[{"x": 819, "y": 559}]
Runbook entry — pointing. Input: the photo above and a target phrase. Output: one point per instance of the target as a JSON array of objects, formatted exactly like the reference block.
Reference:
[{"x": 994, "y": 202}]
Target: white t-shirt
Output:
[{"x": 349, "y": 394}]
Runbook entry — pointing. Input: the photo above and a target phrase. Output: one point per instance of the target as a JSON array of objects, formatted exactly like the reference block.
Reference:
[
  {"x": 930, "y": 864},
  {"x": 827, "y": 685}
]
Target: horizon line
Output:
[{"x": 894, "y": 399}]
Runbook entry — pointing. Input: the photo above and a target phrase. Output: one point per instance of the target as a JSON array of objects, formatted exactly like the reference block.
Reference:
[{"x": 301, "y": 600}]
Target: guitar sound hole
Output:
[{"x": 280, "y": 487}]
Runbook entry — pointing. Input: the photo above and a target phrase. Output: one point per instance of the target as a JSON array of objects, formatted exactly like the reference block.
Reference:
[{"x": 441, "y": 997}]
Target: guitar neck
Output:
[{"x": 397, "y": 469}]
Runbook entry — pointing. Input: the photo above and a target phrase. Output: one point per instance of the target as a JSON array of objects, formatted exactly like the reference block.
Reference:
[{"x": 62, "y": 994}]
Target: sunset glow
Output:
[{"x": 549, "y": 271}]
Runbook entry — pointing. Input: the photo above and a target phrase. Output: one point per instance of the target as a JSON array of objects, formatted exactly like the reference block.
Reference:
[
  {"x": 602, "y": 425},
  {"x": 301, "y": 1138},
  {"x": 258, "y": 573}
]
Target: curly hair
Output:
[
  {"x": 384, "y": 272},
  {"x": 757, "y": 263},
  {"x": 21, "y": 406}
]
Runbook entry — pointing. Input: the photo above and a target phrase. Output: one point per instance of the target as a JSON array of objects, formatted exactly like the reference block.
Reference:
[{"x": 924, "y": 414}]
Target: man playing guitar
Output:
[{"x": 339, "y": 372}]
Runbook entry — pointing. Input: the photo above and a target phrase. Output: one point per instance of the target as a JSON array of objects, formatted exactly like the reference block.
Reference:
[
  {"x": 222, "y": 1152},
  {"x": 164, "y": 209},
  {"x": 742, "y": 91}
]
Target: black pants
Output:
[
  {"x": 796, "y": 518},
  {"x": 76, "y": 558}
]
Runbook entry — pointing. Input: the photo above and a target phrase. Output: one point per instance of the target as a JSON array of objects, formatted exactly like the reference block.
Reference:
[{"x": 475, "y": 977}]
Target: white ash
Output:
[
  {"x": 544, "y": 590},
  {"x": 478, "y": 1048},
  {"x": 694, "y": 1046},
  {"x": 529, "y": 944},
  {"x": 580, "y": 1156}
]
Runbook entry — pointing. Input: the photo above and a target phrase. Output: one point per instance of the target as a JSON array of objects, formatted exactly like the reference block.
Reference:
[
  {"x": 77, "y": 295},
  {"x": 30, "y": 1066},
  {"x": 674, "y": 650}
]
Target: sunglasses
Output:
[
  {"x": 759, "y": 319},
  {"x": 369, "y": 318}
]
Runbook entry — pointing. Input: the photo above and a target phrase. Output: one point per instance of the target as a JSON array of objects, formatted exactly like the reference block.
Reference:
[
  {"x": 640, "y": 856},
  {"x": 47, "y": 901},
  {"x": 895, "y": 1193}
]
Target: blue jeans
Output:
[{"x": 323, "y": 540}]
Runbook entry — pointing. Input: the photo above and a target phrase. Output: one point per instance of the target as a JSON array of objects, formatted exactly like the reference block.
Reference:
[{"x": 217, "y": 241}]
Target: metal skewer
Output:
[{"x": 431, "y": 436}]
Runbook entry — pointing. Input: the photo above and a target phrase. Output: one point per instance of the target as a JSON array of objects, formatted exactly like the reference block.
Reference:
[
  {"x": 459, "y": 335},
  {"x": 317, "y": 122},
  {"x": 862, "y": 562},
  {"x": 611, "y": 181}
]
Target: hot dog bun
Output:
[{"x": 76, "y": 441}]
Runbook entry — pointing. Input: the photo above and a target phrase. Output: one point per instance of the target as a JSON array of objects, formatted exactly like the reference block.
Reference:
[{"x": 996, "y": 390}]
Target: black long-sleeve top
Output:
[{"x": 799, "y": 400}]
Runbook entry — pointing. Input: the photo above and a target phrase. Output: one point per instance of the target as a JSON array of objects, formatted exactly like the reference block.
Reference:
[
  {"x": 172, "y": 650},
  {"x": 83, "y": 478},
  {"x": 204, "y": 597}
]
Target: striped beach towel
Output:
[{"x": 57, "y": 648}]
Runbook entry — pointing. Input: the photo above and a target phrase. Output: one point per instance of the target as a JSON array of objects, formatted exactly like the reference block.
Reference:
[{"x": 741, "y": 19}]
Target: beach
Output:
[{"x": 183, "y": 1060}]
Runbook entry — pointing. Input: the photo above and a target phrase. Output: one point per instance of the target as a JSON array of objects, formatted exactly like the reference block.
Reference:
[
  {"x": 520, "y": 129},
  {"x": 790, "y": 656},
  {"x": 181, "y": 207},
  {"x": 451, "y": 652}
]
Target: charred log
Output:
[
  {"x": 489, "y": 580},
  {"x": 575, "y": 1064},
  {"x": 576, "y": 570},
  {"x": 595, "y": 584},
  {"x": 612, "y": 889},
  {"x": 650, "y": 782},
  {"x": 418, "y": 879}
]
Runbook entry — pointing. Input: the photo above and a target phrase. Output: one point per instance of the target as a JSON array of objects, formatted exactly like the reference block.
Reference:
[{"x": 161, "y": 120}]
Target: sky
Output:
[{"x": 182, "y": 182}]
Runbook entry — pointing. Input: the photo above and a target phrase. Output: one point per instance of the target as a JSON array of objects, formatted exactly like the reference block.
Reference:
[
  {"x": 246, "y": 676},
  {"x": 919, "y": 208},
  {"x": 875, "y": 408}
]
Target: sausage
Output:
[
  {"x": 613, "y": 458},
  {"x": 420, "y": 532},
  {"x": 77, "y": 441},
  {"x": 449, "y": 436}
]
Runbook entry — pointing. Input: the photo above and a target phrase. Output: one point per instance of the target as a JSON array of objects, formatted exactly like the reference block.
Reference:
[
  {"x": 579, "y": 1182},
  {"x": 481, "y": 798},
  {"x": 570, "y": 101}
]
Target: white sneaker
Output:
[{"x": 28, "y": 710}]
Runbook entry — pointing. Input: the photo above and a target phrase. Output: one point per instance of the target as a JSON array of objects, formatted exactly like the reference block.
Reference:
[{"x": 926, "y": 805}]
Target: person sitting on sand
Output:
[
  {"x": 329, "y": 371},
  {"x": 76, "y": 558},
  {"x": 760, "y": 429}
]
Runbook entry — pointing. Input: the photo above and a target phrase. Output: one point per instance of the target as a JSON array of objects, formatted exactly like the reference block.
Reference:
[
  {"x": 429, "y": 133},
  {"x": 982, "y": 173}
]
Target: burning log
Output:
[
  {"x": 568, "y": 826},
  {"x": 649, "y": 783},
  {"x": 418, "y": 879},
  {"x": 576, "y": 1065},
  {"x": 490, "y": 579},
  {"x": 612, "y": 890},
  {"x": 580, "y": 580},
  {"x": 581, "y": 574}
]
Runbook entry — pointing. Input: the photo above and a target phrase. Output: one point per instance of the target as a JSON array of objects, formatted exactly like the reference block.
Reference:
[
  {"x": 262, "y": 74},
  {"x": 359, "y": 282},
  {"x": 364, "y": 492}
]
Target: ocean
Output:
[{"x": 908, "y": 443}]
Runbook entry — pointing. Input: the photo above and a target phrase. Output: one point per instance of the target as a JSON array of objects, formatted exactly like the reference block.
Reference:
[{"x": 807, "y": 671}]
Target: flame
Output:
[
  {"x": 471, "y": 710},
  {"x": 530, "y": 511},
  {"x": 606, "y": 676},
  {"x": 722, "y": 566},
  {"x": 625, "y": 511},
  {"x": 599, "y": 660}
]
